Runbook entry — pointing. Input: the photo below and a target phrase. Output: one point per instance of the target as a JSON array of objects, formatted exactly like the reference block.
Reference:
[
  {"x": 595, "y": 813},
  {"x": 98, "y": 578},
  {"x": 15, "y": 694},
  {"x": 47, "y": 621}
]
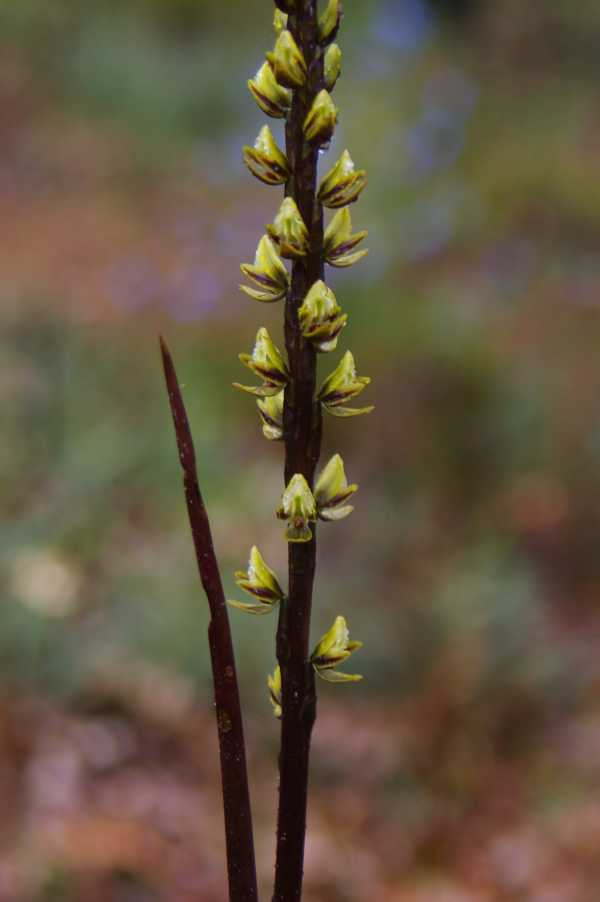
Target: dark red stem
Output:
[
  {"x": 241, "y": 867},
  {"x": 302, "y": 434}
]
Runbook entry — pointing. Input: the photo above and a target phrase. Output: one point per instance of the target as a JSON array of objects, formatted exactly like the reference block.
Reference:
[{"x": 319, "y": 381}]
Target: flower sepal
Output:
[
  {"x": 332, "y": 66},
  {"x": 270, "y": 409}
]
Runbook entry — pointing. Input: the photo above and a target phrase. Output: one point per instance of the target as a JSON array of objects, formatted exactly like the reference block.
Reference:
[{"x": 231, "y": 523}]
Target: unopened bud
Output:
[
  {"x": 334, "y": 648},
  {"x": 342, "y": 385},
  {"x": 332, "y": 65},
  {"x": 266, "y": 361},
  {"x": 321, "y": 318},
  {"x": 339, "y": 242},
  {"x": 272, "y": 98},
  {"x": 267, "y": 272},
  {"x": 329, "y": 21},
  {"x": 332, "y": 490},
  {"x": 342, "y": 184},
  {"x": 321, "y": 119},
  {"x": 288, "y": 230},
  {"x": 265, "y": 160},
  {"x": 298, "y": 508},
  {"x": 287, "y": 61}
]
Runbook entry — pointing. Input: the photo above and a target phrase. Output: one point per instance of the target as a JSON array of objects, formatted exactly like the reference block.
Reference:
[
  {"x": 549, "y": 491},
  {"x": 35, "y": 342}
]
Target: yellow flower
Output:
[
  {"x": 287, "y": 61},
  {"x": 340, "y": 386},
  {"x": 298, "y": 508},
  {"x": 268, "y": 273},
  {"x": 329, "y": 21},
  {"x": 271, "y": 414},
  {"x": 332, "y": 490},
  {"x": 334, "y": 648},
  {"x": 279, "y": 20},
  {"x": 332, "y": 65},
  {"x": 266, "y": 361},
  {"x": 321, "y": 119},
  {"x": 339, "y": 242},
  {"x": 321, "y": 318},
  {"x": 272, "y": 98},
  {"x": 342, "y": 184},
  {"x": 260, "y": 582},
  {"x": 265, "y": 160},
  {"x": 288, "y": 230},
  {"x": 274, "y": 684}
]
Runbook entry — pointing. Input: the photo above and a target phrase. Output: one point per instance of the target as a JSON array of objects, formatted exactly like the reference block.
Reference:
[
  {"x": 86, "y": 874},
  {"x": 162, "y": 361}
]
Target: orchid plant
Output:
[{"x": 294, "y": 84}]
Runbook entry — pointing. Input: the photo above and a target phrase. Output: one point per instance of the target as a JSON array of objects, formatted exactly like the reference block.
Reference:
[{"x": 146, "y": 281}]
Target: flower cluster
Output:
[{"x": 285, "y": 85}]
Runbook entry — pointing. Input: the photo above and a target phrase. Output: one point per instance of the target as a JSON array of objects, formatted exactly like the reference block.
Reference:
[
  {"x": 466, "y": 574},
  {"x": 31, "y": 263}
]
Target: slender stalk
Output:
[
  {"x": 302, "y": 434},
  {"x": 241, "y": 867}
]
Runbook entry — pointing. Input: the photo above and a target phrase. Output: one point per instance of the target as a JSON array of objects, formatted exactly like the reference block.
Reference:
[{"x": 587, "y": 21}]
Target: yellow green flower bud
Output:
[
  {"x": 339, "y": 242},
  {"x": 265, "y": 160},
  {"x": 332, "y": 65},
  {"x": 287, "y": 61},
  {"x": 332, "y": 490},
  {"x": 266, "y": 361},
  {"x": 274, "y": 684},
  {"x": 271, "y": 414},
  {"x": 329, "y": 21},
  {"x": 321, "y": 318},
  {"x": 342, "y": 184},
  {"x": 268, "y": 273},
  {"x": 342, "y": 385},
  {"x": 272, "y": 98},
  {"x": 321, "y": 119},
  {"x": 288, "y": 230},
  {"x": 334, "y": 648},
  {"x": 279, "y": 21},
  {"x": 260, "y": 582},
  {"x": 298, "y": 508}
]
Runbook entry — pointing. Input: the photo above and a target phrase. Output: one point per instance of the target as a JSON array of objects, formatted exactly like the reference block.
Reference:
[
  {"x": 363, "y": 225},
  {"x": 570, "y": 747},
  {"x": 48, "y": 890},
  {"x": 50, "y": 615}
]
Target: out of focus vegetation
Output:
[{"x": 460, "y": 770}]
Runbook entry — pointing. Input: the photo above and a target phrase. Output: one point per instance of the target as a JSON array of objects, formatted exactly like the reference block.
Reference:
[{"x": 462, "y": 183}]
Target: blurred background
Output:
[{"x": 464, "y": 768}]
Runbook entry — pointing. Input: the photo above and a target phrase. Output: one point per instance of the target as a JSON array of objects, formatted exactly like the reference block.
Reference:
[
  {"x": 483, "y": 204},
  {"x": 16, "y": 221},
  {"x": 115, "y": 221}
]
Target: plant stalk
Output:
[
  {"x": 241, "y": 868},
  {"x": 302, "y": 435}
]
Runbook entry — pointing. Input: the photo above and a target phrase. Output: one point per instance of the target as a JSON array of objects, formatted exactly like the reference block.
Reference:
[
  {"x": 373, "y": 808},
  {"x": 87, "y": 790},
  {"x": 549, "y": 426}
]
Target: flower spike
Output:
[
  {"x": 287, "y": 61},
  {"x": 334, "y": 648},
  {"x": 265, "y": 160},
  {"x": 271, "y": 415},
  {"x": 279, "y": 21},
  {"x": 339, "y": 242},
  {"x": 321, "y": 318},
  {"x": 332, "y": 65},
  {"x": 268, "y": 273},
  {"x": 260, "y": 582},
  {"x": 274, "y": 684},
  {"x": 332, "y": 489},
  {"x": 342, "y": 184},
  {"x": 298, "y": 507},
  {"x": 288, "y": 230},
  {"x": 266, "y": 361},
  {"x": 340, "y": 386},
  {"x": 272, "y": 98},
  {"x": 329, "y": 22},
  {"x": 321, "y": 119}
]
